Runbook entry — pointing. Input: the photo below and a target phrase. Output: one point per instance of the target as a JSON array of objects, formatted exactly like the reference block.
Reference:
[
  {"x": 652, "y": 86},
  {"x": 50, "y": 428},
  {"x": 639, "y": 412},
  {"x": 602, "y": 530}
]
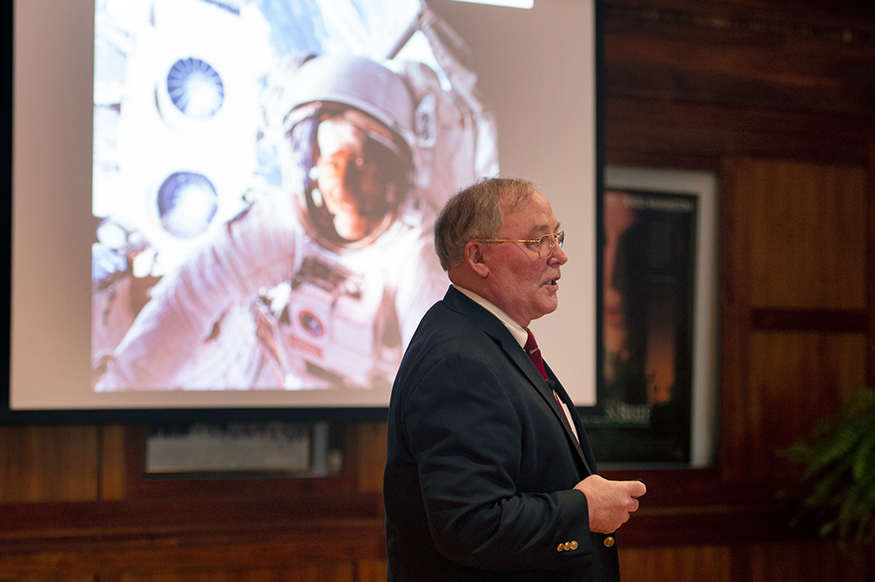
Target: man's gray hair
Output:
[{"x": 474, "y": 213}]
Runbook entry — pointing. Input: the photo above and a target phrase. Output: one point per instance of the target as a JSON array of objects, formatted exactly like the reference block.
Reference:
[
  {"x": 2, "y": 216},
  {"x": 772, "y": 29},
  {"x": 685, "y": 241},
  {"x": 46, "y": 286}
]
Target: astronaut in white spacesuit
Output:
[{"x": 320, "y": 284}]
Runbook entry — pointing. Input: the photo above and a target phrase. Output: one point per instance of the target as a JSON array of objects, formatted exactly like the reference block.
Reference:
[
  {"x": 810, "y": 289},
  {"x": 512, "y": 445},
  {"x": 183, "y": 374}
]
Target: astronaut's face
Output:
[{"x": 348, "y": 173}]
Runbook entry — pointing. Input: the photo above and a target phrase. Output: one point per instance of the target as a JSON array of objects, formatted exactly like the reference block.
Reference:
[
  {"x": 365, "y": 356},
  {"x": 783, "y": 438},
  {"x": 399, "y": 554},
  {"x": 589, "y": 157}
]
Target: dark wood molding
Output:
[
  {"x": 845, "y": 24},
  {"x": 815, "y": 320},
  {"x": 180, "y": 518},
  {"x": 129, "y": 540},
  {"x": 660, "y": 132},
  {"x": 870, "y": 251},
  {"x": 735, "y": 300}
]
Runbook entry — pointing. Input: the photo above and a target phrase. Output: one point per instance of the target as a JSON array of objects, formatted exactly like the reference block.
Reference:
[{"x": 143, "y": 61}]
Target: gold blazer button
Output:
[{"x": 610, "y": 541}]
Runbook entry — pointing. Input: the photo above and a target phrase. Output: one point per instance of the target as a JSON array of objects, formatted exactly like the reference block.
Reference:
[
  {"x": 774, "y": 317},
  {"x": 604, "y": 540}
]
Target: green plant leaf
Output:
[
  {"x": 864, "y": 460},
  {"x": 837, "y": 488}
]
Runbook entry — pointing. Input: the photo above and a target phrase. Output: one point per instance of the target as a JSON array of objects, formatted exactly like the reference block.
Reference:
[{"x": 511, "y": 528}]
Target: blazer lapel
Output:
[
  {"x": 496, "y": 329},
  {"x": 584, "y": 450},
  {"x": 515, "y": 352}
]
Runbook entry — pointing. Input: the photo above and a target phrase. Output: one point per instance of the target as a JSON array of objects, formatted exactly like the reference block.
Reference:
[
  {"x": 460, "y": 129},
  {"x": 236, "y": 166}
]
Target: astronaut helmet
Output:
[{"x": 349, "y": 158}]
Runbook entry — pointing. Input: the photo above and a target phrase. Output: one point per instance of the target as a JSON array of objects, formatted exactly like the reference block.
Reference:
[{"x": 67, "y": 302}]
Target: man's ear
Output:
[{"x": 475, "y": 258}]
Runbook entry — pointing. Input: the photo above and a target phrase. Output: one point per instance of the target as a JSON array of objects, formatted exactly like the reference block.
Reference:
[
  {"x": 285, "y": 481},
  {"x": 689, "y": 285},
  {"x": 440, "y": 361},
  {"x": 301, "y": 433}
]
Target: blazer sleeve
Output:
[{"x": 466, "y": 429}]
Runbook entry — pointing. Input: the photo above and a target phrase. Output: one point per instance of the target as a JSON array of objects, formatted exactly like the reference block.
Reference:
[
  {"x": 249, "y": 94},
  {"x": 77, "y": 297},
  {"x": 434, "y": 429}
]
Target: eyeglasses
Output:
[{"x": 546, "y": 243}]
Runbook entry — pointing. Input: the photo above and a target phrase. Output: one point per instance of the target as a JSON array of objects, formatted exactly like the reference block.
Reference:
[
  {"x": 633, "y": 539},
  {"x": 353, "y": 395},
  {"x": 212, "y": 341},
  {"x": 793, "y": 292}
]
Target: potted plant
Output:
[{"x": 837, "y": 489}]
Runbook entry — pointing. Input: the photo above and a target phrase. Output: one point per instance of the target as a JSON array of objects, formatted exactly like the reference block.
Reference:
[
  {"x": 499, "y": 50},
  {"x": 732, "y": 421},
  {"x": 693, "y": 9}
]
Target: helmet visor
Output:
[{"x": 355, "y": 173}]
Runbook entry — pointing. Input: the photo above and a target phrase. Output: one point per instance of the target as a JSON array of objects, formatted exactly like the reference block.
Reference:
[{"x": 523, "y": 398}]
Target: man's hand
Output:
[{"x": 610, "y": 502}]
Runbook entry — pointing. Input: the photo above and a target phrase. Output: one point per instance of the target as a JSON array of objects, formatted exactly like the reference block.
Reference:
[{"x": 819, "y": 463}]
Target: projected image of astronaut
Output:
[
  {"x": 266, "y": 215},
  {"x": 348, "y": 311},
  {"x": 320, "y": 282}
]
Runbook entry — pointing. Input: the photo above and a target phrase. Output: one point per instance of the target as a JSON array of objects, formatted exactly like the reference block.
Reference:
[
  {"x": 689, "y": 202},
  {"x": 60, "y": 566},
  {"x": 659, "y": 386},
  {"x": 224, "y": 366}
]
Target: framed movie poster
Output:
[{"x": 657, "y": 329}]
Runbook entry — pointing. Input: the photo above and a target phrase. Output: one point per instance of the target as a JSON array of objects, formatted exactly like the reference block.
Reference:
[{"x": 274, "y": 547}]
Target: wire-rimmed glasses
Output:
[{"x": 546, "y": 243}]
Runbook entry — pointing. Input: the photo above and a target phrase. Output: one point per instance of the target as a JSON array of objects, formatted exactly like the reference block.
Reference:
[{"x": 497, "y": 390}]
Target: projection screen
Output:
[{"x": 229, "y": 203}]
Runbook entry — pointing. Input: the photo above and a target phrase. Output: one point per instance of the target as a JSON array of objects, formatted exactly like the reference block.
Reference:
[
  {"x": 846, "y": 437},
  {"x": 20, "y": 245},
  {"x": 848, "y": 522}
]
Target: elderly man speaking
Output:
[{"x": 489, "y": 475}]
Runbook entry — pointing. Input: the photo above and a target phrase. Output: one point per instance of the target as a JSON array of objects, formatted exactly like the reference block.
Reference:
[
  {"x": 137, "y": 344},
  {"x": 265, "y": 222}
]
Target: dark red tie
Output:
[{"x": 534, "y": 353}]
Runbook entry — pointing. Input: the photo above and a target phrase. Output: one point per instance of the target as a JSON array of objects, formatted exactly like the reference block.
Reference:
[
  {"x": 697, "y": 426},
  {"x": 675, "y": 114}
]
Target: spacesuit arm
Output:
[{"x": 251, "y": 252}]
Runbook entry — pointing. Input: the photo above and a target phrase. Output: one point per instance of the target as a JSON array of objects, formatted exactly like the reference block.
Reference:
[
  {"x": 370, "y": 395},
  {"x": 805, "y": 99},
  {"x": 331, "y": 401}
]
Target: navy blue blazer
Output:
[{"x": 481, "y": 464}]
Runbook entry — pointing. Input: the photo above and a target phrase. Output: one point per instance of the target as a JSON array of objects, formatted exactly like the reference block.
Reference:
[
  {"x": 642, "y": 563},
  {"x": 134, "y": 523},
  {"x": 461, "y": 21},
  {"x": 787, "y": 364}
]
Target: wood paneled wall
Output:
[
  {"x": 775, "y": 97},
  {"x": 74, "y": 502},
  {"x": 794, "y": 300}
]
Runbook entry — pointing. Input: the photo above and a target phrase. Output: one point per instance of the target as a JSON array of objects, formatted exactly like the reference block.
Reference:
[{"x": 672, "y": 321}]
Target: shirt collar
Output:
[{"x": 517, "y": 331}]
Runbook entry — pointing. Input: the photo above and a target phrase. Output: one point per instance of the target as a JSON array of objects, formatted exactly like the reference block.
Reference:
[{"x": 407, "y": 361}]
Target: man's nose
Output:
[{"x": 558, "y": 256}]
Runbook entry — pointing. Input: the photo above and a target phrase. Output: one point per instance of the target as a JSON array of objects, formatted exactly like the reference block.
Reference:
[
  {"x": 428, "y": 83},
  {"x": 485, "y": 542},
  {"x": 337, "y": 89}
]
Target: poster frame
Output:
[{"x": 703, "y": 187}]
